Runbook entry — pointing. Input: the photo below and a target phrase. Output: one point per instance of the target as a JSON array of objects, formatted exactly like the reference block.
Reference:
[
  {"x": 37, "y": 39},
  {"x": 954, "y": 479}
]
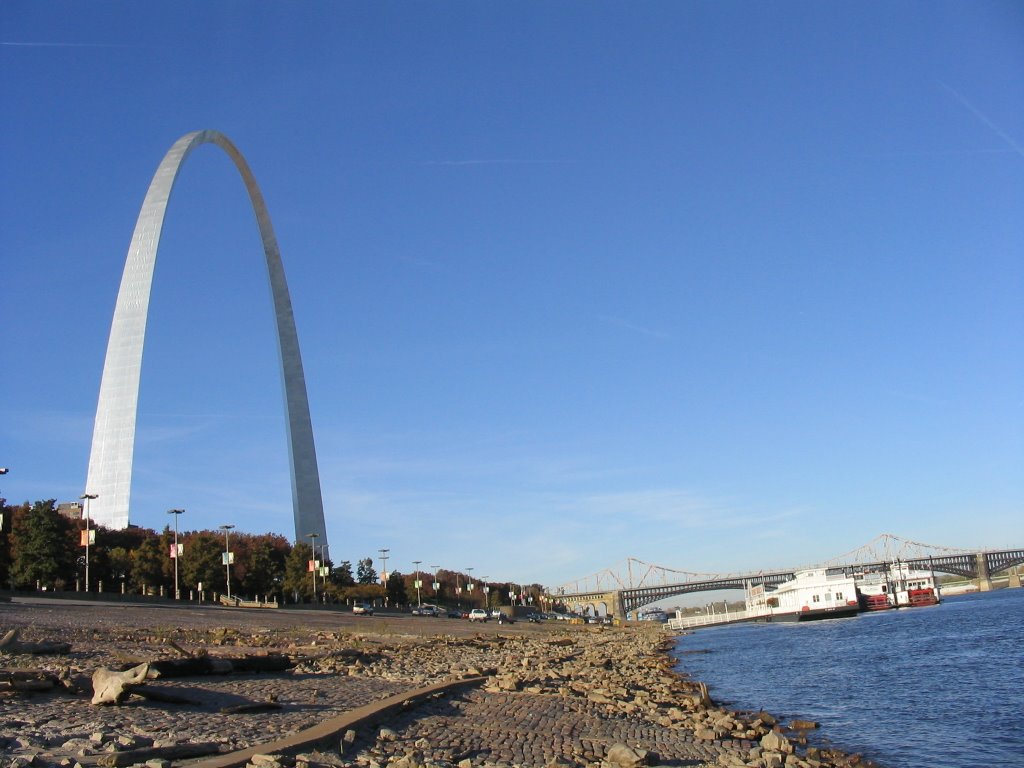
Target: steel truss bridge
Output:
[{"x": 632, "y": 583}]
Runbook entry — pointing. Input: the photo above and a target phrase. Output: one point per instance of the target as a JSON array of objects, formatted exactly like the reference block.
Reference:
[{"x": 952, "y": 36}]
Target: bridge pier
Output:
[
  {"x": 1014, "y": 577},
  {"x": 984, "y": 580},
  {"x": 611, "y": 601}
]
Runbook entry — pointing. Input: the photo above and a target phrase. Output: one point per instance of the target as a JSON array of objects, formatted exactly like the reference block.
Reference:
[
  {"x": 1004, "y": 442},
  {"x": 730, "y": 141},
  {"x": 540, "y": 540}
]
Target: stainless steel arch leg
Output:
[{"x": 113, "y": 442}]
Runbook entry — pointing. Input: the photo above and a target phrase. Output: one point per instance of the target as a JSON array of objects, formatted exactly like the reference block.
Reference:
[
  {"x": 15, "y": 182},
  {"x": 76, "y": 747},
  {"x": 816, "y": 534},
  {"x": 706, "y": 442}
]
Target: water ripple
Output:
[{"x": 938, "y": 687}]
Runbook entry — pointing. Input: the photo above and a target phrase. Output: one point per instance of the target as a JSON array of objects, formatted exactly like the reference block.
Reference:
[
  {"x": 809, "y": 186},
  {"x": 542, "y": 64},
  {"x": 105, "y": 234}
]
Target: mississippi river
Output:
[{"x": 937, "y": 687}]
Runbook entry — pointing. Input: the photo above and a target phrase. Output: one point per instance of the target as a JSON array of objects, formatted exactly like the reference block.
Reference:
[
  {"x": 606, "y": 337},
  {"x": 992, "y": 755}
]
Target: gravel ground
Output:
[{"x": 555, "y": 695}]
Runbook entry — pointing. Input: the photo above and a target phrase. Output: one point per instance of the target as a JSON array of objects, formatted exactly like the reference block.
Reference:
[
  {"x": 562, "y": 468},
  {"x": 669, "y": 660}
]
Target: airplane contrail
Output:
[
  {"x": 13, "y": 44},
  {"x": 496, "y": 161},
  {"x": 981, "y": 116},
  {"x": 633, "y": 326}
]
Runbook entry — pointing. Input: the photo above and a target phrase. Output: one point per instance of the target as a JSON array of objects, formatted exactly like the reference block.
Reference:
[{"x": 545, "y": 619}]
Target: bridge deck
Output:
[{"x": 977, "y": 565}]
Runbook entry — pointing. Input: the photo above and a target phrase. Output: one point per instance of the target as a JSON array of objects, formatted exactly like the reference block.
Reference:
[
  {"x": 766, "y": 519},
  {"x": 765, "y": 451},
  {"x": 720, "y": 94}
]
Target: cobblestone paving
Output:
[
  {"x": 528, "y": 730},
  {"x": 305, "y": 699}
]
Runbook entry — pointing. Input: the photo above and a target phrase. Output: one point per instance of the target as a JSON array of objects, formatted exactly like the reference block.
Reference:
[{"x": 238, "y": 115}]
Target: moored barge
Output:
[{"x": 895, "y": 585}]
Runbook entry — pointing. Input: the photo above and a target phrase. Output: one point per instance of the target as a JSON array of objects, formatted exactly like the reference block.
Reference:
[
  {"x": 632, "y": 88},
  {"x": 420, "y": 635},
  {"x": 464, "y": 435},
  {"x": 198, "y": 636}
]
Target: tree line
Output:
[{"x": 40, "y": 548}]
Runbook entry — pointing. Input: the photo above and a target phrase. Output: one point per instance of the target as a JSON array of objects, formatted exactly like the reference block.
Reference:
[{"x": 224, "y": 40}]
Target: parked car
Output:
[
  {"x": 457, "y": 613},
  {"x": 362, "y": 609},
  {"x": 478, "y": 614},
  {"x": 504, "y": 618},
  {"x": 425, "y": 610}
]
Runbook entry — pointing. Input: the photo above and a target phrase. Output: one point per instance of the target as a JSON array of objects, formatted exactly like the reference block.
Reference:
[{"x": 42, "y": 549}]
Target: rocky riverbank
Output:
[{"x": 550, "y": 695}]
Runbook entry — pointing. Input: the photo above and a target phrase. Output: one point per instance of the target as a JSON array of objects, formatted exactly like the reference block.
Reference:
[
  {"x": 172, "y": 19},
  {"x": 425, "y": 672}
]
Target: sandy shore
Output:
[{"x": 549, "y": 694}]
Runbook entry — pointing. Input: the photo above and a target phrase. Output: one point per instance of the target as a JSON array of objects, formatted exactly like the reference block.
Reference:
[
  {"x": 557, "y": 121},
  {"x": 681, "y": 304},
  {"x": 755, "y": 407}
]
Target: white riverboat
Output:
[
  {"x": 896, "y": 585},
  {"x": 874, "y": 591},
  {"x": 652, "y": 614},
  {"x": 814, "y": 593}
]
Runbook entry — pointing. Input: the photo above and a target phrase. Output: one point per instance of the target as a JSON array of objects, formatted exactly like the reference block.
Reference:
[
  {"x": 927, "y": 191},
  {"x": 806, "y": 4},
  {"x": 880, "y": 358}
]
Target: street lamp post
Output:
[
  {"x": 437, "y": 586},
  {"x": 469, "y": 583},
  {"x": 312, "y": 540},
  {"x": 3, "y": 471},
  {"x": 227, "y": 555},
  {"x": 419, "y": 602},
  {"x": 176, "y": 551},
  {"x": 384, "y": 569},
  {"x": 88, "y": 533}
]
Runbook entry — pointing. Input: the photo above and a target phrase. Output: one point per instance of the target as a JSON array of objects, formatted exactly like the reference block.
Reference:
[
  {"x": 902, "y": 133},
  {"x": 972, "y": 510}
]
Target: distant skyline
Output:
[{"x": 718, "y": 286}]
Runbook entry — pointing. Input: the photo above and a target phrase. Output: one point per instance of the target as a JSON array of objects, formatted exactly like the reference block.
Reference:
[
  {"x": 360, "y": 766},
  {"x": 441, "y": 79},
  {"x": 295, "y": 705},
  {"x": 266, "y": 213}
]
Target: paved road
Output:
[{"x": 58, "y": 613}]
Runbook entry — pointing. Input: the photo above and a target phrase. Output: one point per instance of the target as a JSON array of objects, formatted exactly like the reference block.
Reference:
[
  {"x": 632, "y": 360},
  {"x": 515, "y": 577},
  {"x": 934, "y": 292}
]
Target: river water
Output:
[{"x": 936, "y": 687}]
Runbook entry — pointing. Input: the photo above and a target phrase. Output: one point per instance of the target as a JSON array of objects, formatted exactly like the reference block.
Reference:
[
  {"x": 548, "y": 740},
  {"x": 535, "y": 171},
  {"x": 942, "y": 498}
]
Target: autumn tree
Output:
[
  {"x": 298, "y": 581},
  {"x": 107, "y": 563},
  {"x": 165, "y": 541},
  {"x": 6, "y": 520},
  {"x": 147, "y": 570},
  {"x": 120, "y": 565},
  {"x": 396, "y": 589},
  {"x": 241, "y": 551},
  {"x": 365, "y": 573},
  {"x": 447, "y": 581},
  {"x": 43, "y": 547},
  {"x": 266, "y": 567},
  {"x": 342, "y": 575},
  {"x": 202, "y": 562},
  {"x": 363, "y": 593}
]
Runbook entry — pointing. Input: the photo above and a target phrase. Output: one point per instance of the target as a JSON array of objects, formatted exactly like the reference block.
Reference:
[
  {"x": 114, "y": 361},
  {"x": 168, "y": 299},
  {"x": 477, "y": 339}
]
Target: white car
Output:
[
  {"x": 478, "y": 614},
  {"x": 364, "y": 609}
]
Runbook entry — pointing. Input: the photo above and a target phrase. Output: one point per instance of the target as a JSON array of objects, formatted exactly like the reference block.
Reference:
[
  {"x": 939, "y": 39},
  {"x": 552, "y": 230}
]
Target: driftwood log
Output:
[
  {"x": 703, "y": 696},
  {"x": 10, "y": 643},
  {"x": 177, "y": 648},
  {"x": 29, "y": 685},
  {"x": 154, "y": 693},
  {"x": 216, "y": 665},
  {"x": 37, "y": 680},
  {"x": 250, "y": 707}
]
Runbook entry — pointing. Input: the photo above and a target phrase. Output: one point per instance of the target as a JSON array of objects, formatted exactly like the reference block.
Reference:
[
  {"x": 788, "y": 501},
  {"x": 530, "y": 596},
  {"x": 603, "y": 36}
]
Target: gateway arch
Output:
[{"x": 113, "y": 439}]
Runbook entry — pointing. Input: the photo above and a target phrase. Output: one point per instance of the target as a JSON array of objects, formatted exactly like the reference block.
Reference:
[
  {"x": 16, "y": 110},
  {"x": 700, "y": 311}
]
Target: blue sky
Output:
[{"x": 721, "y": 286}]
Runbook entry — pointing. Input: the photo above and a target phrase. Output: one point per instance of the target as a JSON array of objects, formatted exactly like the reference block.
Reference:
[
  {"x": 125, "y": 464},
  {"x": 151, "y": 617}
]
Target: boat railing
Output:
[{"x": 709, "y": 620}]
